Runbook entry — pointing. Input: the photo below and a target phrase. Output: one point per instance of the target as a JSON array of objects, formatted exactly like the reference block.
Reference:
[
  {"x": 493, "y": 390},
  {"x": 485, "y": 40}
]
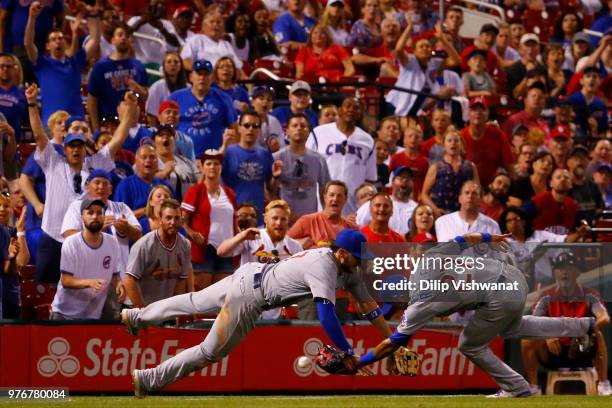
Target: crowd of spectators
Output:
[{"x": 511, "y": 126}]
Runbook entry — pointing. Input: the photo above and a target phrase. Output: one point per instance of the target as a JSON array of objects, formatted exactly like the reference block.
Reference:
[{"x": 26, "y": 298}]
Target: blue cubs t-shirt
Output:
[
  {"x": 14, "y": 107},
  {"x": 60, "y": 84},
  {"x": 237, "y": 94},
  {"x": 204, "y": 121},
  {"x": 17, "y": 18},
  {"x": 283, "y": 113},
  {"x": 246, "y": 172},
  {"x": 583, "y": 110},
  {"x": 134, "y": 191},
  {"x": 287, "y": 28},
  {"x": 108, "y": 82}
]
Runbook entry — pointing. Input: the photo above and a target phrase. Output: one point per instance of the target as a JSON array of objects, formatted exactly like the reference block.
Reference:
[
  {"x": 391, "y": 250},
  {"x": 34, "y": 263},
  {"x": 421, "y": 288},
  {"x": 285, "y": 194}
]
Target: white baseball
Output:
[{"x": 304, "y": 362}]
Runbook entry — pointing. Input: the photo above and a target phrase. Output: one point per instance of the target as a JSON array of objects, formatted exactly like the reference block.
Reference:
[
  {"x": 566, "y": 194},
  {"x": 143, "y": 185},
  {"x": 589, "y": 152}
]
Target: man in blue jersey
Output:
[
  {"x": 249, "y": 168},
  {"x": 205, "y": 112},
  {"x": 111, "y": 77},
  {"x": 299, "y": 101},
  {"x": 12, "y": 98},
  {"x": 59, "y": 76},
  {"x": 292, "y": 28}
]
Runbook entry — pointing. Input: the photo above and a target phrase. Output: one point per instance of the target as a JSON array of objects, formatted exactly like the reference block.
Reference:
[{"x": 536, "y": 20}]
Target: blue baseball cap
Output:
[
  {"x": 262, "y": 89},
  {"x": 202, "y": 64},
  {"x": 403, "y": 169},
  {"x": 74, "y": 137},
  {"x": 350, "y": 240},
  {"x": 98, "y": 173}
]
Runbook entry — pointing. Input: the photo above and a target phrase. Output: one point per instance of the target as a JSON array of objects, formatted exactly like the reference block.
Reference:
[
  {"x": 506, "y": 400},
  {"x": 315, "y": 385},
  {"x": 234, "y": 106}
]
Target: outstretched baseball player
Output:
[
  {"x": 497, "y": 312},
  {"x": 253, "y": 288}
]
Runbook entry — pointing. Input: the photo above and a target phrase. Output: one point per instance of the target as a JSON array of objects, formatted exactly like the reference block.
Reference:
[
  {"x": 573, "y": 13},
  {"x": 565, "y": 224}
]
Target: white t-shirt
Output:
[
  {"x": 242, "y": 53},
  {"x": 84, "y": 262},
  {"x": 399, "y": 221},
  {"x": 356, "y": 165},
  {"x": 72, "y": 221},
  {"x": 60, "y": 184},
  {"x": 158, "y": 92},
  {"x": 450, "y": 225},
  {"x": 201, "y": 46},
  {"x": 148, "y": 51},
  {"x": 411, "y": 76},
  {"x": 261, "y": 249},
  {"x": 221, "y": 219}
]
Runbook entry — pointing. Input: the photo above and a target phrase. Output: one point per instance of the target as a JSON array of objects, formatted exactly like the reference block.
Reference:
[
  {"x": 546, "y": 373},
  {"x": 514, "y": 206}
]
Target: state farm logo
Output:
[
  {"x": 58, "y": 360},
  {"x": 311, "y": 349}
]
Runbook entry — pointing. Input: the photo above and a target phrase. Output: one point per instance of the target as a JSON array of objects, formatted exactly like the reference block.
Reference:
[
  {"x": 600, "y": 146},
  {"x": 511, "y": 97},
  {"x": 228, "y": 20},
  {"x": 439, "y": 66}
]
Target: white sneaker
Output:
[
  {"x": 604, "y": 388},
  {"x": 535, "y": 390},
  {"x": 510, "y": 394},
  {"x": 133, "y": 330},
  {"x": 138, "y": 391}
]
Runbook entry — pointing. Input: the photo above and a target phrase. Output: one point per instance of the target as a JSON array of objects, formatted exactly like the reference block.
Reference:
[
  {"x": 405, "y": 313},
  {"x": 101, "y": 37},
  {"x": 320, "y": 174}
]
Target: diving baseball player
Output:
[
  {"x": 498, "y": 311},
  {"x": 253, "y": 288}
]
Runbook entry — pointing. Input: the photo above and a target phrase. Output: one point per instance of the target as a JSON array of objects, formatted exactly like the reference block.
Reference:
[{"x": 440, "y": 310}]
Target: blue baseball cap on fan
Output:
[
  {"x": 202, "y": 65},
  {"x": 98, "y": 173},
  {"x": 74, "y": 137},
  {"x": 350, "y": 240}
]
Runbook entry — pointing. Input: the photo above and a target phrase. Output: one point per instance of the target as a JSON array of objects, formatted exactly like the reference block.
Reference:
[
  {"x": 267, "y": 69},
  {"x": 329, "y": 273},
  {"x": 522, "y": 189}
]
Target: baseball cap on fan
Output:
[
  {"x": 85, "y": 204},
  {"x": 529, "y": 37},
  {"x": 332, "y": 3},
  {"x": 182, "y": 10},
  {"x": 300, "y": 86}
]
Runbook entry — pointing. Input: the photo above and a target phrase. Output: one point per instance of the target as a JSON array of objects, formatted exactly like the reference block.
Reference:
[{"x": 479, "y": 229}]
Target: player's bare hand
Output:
[
  {"x": 250, "y": 233},
  {"x": 197, "y": 237},
  {"x": 97, "y": 284},
  {"x": 35, "y": 9},
  {"x": 554, "y": 347},
  {"x": 499, "y": 242},
  {"x": 31, "y": 93},
  {"x": 120, "y": 291}
]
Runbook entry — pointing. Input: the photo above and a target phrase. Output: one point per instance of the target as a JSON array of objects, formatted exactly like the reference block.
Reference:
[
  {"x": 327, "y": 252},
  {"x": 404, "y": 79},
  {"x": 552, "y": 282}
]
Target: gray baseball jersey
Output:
[{"x": 157, "y": 267}]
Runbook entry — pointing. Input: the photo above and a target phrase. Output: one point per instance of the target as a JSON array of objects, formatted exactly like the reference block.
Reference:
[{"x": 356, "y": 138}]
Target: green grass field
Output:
[{"x": 302, "y": 401}]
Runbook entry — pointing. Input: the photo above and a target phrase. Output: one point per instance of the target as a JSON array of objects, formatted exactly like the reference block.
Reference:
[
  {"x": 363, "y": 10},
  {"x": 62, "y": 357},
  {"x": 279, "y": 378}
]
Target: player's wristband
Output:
[
  {"x": 373, "y": 314},
  {"x": 486, "y": 237},
  {"x": 462, "y": 242},
  {"x": 367, "y": 358}
]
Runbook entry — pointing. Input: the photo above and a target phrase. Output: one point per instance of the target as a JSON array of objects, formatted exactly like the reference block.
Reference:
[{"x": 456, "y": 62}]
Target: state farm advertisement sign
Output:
[{"x": 101, "y": 358}]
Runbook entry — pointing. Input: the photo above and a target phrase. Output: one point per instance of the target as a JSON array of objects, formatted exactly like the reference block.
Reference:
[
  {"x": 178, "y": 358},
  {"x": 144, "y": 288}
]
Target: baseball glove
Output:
[
  {"x": 403, "y": 362},
  {"x": 335, "y": 361}
]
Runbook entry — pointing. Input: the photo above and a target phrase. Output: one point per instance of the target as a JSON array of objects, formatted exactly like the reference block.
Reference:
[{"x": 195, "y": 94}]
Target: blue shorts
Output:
[{"x": 214, "y": 263}]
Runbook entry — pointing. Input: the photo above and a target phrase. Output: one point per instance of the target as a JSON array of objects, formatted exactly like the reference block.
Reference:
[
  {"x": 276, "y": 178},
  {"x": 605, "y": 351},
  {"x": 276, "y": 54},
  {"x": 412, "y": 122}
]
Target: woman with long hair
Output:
[
  {"x": 225, "y": 76},
  {"x": 321, "y": 58},
  {"x": 334, "y": 18},
  {"x": 239, "y": 34},
  {"x": 158, "y": 194},
  {"x": 422, "y": 225},
  {"x": 365, "y": 33},
  {"x": 558, "y": 78},
  {"x": 566, "y": 26},
  {"x": 175, "y": 78},
  {"x": 445, "y": 178}
]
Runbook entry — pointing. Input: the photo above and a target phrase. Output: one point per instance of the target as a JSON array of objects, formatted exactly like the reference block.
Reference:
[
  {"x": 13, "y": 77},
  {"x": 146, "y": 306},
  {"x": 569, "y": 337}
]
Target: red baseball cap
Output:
[
  {"x": 562, "y": 131},
  {"x": 168, "y": 104},
  {"x": 182, "y": 9},
  {"x": 480, "y": 100}
]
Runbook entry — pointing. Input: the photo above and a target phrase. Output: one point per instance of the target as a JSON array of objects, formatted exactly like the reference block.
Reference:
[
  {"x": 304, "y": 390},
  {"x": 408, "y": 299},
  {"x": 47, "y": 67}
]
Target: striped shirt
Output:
[{"x": 60, "y": 179}]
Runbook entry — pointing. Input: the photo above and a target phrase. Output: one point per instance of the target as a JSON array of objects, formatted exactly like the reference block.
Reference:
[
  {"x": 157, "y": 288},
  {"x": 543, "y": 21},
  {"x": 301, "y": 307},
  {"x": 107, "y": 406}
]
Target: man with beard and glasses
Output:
[
  {"x": 90, "y": 264},
  {"x": 59, "y": 72},
  {"x": 304, "y": 171},
  {"x": 494, "y": 201},
  {"x": 65, "y": 177},
  {"x": 111, "y": 77},
  {"x": 584, "y": 191},
  {"x": 403, "y": 204},
  {"x": 159, "y": 262},
  {"x": 241, "y": 298},
  {"x": 348, "y": 150},
  {"x": 134, "y": 190}
]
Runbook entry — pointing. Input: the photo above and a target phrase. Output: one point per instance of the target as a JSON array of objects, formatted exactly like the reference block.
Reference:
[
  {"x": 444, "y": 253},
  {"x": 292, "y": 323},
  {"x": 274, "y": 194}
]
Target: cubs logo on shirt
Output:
[{"x": 106, "y": 262}]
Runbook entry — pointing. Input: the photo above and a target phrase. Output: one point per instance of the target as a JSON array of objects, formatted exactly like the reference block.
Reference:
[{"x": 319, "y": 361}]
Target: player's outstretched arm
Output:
[
  {"x": 372, "y": 312},
  {"x": 331, "y": 324},
  {"x": 384, "y": 349}
]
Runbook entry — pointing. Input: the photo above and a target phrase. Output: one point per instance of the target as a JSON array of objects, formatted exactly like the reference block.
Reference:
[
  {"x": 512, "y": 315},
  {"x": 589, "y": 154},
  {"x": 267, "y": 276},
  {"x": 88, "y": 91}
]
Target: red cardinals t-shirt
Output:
[
  {"x": 551, "y": 213},
  {"x": 489, "y": 153},
  {"x": 390, "y": 236}
]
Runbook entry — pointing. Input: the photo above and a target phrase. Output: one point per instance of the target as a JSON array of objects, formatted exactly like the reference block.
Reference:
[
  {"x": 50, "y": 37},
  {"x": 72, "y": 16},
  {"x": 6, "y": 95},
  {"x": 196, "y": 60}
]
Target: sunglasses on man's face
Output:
[{"x": 250, "y": 125}]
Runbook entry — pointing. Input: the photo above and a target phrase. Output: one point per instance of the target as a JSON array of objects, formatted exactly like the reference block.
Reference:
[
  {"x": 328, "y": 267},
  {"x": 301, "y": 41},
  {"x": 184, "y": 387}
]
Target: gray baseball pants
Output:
[
  {"x": 501, "y": 315},
  {"x": 242, "y": 306}
]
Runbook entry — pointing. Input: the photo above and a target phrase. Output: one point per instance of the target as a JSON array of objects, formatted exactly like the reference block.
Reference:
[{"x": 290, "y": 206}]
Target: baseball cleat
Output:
[
  {"x": 510, "y": 394},
  {"x": 133, "y": 330},
  {"x": 138, "y": 391}
]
